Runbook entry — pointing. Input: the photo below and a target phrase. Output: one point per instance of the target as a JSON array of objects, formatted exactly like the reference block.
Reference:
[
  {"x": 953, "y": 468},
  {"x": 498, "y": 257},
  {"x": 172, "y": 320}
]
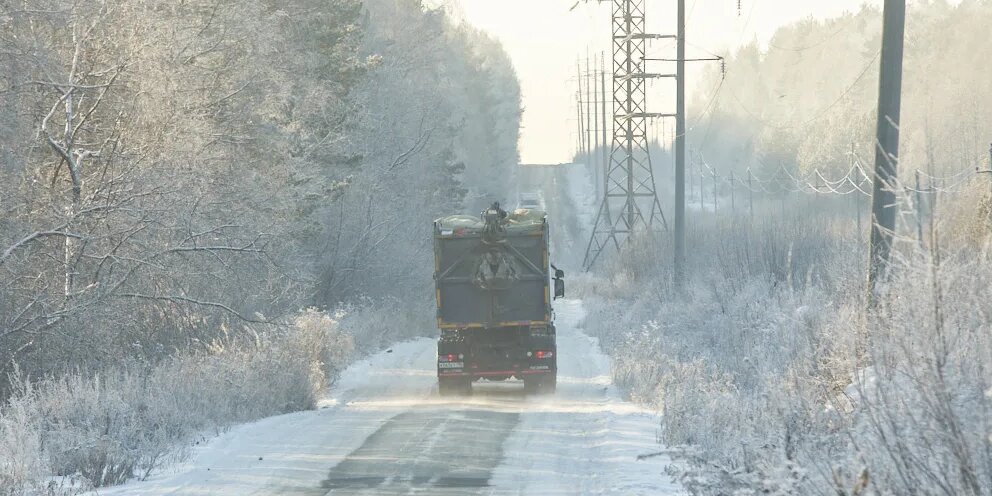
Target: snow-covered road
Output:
[{"x": 385, "y": 430}]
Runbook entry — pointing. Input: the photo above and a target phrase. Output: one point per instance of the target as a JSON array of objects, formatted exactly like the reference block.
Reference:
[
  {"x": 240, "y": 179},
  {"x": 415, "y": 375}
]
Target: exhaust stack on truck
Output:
[{"x": 494, "y": 294}]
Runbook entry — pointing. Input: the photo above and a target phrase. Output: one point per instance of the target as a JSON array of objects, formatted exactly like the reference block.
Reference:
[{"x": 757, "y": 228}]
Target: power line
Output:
[
  {"x": 692, "y": 8},
  {"x": 820, "y": 113},
  {"x": 856, "y": 179},
  {"x": 844, "y": 25},
  {"x": 747, "y": 21},
  {"x": 710, "y": 106}
]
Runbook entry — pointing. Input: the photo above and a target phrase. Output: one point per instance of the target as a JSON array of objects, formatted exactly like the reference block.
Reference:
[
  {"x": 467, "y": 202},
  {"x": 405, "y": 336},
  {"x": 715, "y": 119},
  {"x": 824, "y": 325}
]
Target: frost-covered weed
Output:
[
  {"x": 926, "y": 414},
  {"x": 21, "y": 466},
  {"x": 377, "y": 323},
  {"x": 774, "y": 378},
  {"x": 111, "y": 426}
]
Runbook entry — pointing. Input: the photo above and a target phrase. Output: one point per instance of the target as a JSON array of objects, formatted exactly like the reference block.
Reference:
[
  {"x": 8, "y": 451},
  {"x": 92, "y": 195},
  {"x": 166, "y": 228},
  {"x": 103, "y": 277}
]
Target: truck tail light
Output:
[
  {"x": 544, "y": 354},
  {"x": 446, "y": 358}
]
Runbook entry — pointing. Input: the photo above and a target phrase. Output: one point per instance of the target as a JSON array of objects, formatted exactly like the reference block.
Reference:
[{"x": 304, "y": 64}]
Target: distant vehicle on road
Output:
[
  {"x": 530, "y": 201},
  {"x": 494, "y": 295}
]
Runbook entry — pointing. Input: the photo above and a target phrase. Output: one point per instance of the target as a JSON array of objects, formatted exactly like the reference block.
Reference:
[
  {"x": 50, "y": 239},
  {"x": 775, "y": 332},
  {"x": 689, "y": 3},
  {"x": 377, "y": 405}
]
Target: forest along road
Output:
[{"x": 384, "y": 430}]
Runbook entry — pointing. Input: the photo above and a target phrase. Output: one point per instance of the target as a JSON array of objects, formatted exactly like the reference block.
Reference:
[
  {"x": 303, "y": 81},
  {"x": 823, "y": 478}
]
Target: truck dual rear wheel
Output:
[
  {"x": 550, "y": 384},
  {"x": 454, "y": 386},
  {"x": 541, "y": 384}
]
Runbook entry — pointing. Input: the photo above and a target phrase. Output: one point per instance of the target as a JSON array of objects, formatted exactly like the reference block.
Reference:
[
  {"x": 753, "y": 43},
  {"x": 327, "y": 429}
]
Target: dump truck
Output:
[{"x": 494, "y": 293}]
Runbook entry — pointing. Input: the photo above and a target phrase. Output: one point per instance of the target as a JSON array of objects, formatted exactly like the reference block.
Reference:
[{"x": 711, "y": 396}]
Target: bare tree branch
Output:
[
  {"x": 34, "y": 237},
  {"x": 182, "y": 299}
]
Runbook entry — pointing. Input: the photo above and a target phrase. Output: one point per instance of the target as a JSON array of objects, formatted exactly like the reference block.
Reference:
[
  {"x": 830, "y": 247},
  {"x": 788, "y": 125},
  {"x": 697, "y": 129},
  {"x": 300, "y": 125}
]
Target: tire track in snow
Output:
[
  {"x": 585, "y": 439},
  {"x": 384, "y": 430},
  {"x": 437, "y": 452}
]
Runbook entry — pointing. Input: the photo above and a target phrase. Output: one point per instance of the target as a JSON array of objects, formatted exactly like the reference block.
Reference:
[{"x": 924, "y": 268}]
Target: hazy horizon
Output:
[{"x": 545, "y": 53}]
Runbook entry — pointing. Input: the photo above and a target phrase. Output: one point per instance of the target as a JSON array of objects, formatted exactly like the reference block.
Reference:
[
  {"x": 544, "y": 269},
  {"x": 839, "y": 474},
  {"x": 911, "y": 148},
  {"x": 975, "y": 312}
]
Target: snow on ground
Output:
[
  {"x": 384, "y": 430},
  {"x": 585, "y": 439},
  {"x": 289, "y": 454}
]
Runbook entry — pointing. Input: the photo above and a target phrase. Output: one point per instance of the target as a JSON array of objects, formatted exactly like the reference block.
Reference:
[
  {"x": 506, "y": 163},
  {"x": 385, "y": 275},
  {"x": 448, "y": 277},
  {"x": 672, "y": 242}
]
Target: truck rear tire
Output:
[
  {"x": 549, "y": 384},
  {"x": 530, "y": 385},
  {"x": 454, "y": 386},
  {"x": 540, "y": 385}
]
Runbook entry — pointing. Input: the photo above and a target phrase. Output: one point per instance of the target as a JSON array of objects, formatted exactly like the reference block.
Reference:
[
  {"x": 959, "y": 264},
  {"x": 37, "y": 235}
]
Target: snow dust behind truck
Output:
[{"x": 492, "y": 276}]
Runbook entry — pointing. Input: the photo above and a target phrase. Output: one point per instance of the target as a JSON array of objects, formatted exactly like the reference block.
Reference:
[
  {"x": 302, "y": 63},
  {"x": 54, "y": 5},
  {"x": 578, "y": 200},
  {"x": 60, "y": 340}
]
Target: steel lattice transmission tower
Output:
[{"x": 630, "y": 201}]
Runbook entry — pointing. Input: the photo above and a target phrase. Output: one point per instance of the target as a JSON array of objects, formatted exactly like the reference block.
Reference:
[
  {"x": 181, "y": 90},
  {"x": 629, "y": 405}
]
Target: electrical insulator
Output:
[
  {"x": 738, "y": 8},
  {"x": 723, "y": 67}
]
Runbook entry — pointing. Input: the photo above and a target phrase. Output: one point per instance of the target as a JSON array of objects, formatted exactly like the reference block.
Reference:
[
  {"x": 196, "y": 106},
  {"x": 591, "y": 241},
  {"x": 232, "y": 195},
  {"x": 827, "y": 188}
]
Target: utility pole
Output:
[
  {"x": 690, "y": 183},
  {"x": 857, "y": 207},
  {"x": 856, "y": 196},
  {"x": 785, "y": 189},
  {"x": 699, "y": 165},
  {"x": 582, "y": 130},
  {"x": 883, "y": 198},
  {"x": 594, "y": 158},
  {"x": 602, "y": 95},
  {"x": 855, "y": 192},
  {"x": 917, "y": 194},
  {"x": 733, "y": 200},
  {"x": 715, "y": 205},
  {"x": 750, "y": 195},
  {"x": 630, "y": 134},
  {"x": 679, "y": 265},
  {"x": 590, "y": 96},
  {"x": 578, "y": 124}
]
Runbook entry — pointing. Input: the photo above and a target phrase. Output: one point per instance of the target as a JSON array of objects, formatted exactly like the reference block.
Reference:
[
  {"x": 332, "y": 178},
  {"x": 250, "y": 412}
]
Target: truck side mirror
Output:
[{"x": 559, "y": 287}]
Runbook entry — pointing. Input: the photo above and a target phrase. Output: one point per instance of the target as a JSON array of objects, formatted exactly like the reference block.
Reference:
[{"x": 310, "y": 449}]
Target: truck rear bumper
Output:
[{"x": 492, "y": 373}]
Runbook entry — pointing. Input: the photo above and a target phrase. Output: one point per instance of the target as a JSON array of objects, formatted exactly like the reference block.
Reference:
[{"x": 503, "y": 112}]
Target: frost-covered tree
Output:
[{"x": 179, "y": 180}]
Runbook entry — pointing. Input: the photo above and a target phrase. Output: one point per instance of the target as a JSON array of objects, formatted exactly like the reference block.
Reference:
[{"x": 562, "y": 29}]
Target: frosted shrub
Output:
[
  {"x": 731, "y": 363},
  {"x": 330, "y": 348},
  {"x": 926, "y": 414},
  {"x": 106, "y": 428},
  {"x": 375, "y": 324},
  {"x": 21, "y": 461},
  {"x": 774, "y": 378}
]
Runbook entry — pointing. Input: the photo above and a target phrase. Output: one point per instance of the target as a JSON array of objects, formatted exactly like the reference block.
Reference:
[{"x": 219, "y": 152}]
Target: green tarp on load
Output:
[
  {"x": 521, "y": 219},
  {"x": 469, "y": 222}
]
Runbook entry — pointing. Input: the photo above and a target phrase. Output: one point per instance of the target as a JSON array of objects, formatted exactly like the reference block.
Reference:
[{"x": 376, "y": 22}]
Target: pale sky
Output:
[{"x": 544, "y": 39}]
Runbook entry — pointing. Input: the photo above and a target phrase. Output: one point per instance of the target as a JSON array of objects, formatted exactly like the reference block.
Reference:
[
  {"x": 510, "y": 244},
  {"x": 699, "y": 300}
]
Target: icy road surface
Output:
[{"x": 384, "y": 430}]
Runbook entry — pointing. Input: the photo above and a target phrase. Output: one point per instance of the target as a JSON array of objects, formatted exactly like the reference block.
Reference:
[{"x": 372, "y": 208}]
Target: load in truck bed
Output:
[
  {"x": 485, "y": 283},
  {"x": 520, "y": 220}
]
